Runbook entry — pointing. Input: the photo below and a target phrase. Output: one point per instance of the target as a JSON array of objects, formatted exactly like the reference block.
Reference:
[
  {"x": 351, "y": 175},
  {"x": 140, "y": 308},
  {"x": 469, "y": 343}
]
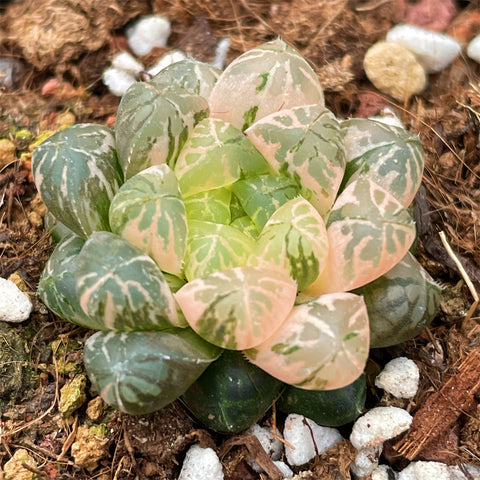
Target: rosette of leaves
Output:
[{"x": 230, "y": 211}]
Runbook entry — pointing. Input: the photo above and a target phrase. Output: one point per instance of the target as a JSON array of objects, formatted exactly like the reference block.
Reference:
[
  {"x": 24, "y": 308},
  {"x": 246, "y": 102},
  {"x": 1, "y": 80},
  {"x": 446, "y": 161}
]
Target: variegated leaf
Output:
[
  {"x": 306, "y": 144},
  {"x": 245, "y": 225},
  {"x": 323, "y": 344},
  {"x": 295, "y": 239},
  {"x": 214, "y": 156},
  {"x": 210, "y": 206},
  {"x": 369, "y": 232},
  {"x": 268, "y": 78},
  {"x": 77, "y": 174},
  {"x": 121, "y": 287},
  {"x": 237, "y": 308},
  {"x": 261, "y": 196},
  {"x": 214, "y": 246},
  {"x": 141, "y": 372},
  {"x": 153, "y": 123},
  {"x": 400, "y": 303},
  {"x": 390, "y": 156},
  {"x": 192, "y": 75},
  {"x": 148, "y": 211}
]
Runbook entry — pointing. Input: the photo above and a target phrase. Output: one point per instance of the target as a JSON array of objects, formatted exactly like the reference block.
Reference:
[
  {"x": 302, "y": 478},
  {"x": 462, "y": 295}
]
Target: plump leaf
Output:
[
  {"x": 141, "y": 372},
  {"x": 148, "y": 211},
  {"x": 268, "y": 78},
  {"x": 210, "y": 206},
  {"x": 400, "y": 303},
  {"x": 76, "y": 172},
  {"x": 121, "y": 287},
  {"x": 153, "y": 123},
  {"x": 390, "y": 156},
  {"x": 245, "y": 225},
  {"x": 261, "y": 196},
  {"x": 323, "y": 344},
  {"x": 213, "y": 246},
  {"x": 237, "y": 308},
  {"x": 305, "y": 143},
  {"x": 294, "y": 239},
  {"x": 192, "y": 75},
  {"x": 369, "y": 232}
]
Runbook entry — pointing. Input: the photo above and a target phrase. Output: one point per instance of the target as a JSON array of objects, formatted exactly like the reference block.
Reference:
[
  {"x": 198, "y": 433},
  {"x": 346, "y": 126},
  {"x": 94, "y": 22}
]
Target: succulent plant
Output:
[{"x": 231, "y": 211}]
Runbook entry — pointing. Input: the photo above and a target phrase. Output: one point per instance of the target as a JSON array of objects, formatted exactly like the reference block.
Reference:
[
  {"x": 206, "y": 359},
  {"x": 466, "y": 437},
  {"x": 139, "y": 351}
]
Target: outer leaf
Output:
[
  {"x": 237, "y": 308},
  {"x": 390, "y": 156},
  {"x": 264, "y": 80},
  {"x": 323, "y": 344},
  {"x": 153, "y": 123},
  {"x": 192, "y": 75},
  {"x": 245, "y": 225},
  {"x": 141, "y": 372},
  {"x": 148, "y": 211},
  {"x": 400, "y": 303},
  {"x": 212, "y": 247},
  {"x": 305, "y": 143},
  {"x": 261, "y": 196},
  {"x": 295, "y": 239},
  {"x": 369, "y": 232},
  {"x": 76, "y": 173},
  {"x": 121, "y": 287},
  {"x": 210, "y": 206}
]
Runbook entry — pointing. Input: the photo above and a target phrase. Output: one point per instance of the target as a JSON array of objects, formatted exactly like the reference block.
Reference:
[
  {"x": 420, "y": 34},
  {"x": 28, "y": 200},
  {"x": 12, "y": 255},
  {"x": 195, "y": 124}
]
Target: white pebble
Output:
[
  {"x": 271, "y": 444},
  {"x": 457, "y": 473},
  {"x": 221, "y": 51},
  {"x": 434, "y": 50},
  {"x": 126, "y": 62},
  {"x": 425, "y": 471},
  {"x": 381, "y": 472},
  {"x": 366, "y": 461},
  {"x": 15, "y": 306},
  {"x": 379, "y": 424},
  {"x": 287, "y": 472},
  {"x": 165, "y": 60},
  {"x": 299, "y": 434},
  {"x": 201, "y": 464},
  {"x": 473, "y": 49},
  {"x": 117, "y": 81},
  {"x": 399, "y": 377},
  {"x": 148, "y": 32}
]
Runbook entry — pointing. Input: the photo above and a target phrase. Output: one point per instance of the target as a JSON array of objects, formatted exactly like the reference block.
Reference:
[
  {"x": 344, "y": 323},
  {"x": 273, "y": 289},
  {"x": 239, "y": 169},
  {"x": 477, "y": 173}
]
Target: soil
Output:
[{"x": 62, "y": 47}]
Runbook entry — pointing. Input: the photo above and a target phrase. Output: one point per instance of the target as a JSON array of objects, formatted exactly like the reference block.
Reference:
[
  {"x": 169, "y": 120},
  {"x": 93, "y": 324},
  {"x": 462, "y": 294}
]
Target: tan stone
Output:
[
  {"x": 7, "y": 152},
  {"x": 14, "y": 469}
]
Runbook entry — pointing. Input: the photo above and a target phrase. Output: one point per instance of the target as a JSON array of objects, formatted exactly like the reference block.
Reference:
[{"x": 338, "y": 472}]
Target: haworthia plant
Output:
[
  {"x": 306, "y": 144},
  {"x": 210, "y": 206},
  {"x": 76, "y": 171},
  {"x": 323, "y": 344},
  {"x": 141, "y": 372},
  {"x": 263, "y": 80},
  {"x": 149, "y": 212}
]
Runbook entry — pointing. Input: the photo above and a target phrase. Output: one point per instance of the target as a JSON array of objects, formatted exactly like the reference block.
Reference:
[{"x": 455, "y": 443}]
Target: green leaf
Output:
[
  {"x": 306, "y": 144},
  {"x": 213, "y": 246},
  {"x": 121, "y": 287},
  {"x": 237, "y": 308},
  {"x": 390, "y": 156},
  {"x": 153, "y": 123},
  {"x": 210, "y": 206},
  {"x": 264, "y": 80},
  {"x": 315, "y": 349},
  {"x": 76, "y": 173},
  {"x": 148, "y": 211},
  {"x": 294, "y": 239},
  {"x": 141, "y": 372}
]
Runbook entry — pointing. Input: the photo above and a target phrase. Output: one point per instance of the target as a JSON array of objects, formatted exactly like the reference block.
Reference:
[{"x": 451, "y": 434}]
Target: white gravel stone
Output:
[
  {"x": 473, "y": 49},
  {"x": 399, "y": 377},
  {"x": 221, "y": 51},
  {"x": 381, "y": 472},
  {"x": 456, "y": 473},
  {"x": 128, "y": 63},
  {"x": 425, "y": 471},
  {"x": 271, "y": 444},
  {"x": 117, "y": 81},
  {"x": 434, "y": 50},
  {"x": 299, "y": 434},
  {"x": 15, "y": 306},
  {"x": 379, "y": 424},
  {"x": 366, "y": 461},
  {"x": 148, "y": 32},
  {"x": 166, "y": 60},
  {"x": 287, "y": 472},
  {"x": 201, "y": 464}
]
